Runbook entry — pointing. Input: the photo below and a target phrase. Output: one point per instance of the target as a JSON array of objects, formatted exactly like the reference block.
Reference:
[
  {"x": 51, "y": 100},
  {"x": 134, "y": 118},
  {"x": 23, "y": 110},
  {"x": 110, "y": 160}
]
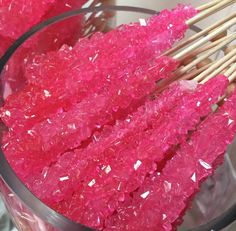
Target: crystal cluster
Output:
[
  {"x": 87, "y": 130},
  {"x": 117, "y": 164},
  {"x": 112, "y": 138},
  {"x": 71, "y": 74},
  {"x": 75, "y": 91},
  {"x": 67, "y": 129},
  {"x": 165, "y": 195},
  {"x": 19, "y": 16}
]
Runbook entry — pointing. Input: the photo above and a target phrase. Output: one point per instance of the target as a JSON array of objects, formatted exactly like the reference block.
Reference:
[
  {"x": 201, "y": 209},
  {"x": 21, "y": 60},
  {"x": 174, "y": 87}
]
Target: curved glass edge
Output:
[
  {"x": 4, "y": 59},
  {"x": 6, "y": 172},
  {"x": 21, "y": 215},
  {"x": 220, "y": 222},
  {"x": 38, "y": 207},
  {"x": 9, "y": 176}
]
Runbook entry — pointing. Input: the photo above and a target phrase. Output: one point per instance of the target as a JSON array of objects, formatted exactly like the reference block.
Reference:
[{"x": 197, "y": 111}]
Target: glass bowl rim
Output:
[{"x": 14, "y": 183}]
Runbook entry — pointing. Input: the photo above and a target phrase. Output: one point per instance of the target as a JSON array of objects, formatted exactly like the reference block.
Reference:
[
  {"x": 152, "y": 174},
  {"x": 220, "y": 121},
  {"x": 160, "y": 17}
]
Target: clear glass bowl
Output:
[{"x": 30, "y": 214}]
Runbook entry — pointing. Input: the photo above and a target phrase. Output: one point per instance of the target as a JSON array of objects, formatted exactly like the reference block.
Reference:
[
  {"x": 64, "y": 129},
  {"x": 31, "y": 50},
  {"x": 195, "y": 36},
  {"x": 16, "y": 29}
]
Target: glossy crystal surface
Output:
[{"x": 88, "y": 121}]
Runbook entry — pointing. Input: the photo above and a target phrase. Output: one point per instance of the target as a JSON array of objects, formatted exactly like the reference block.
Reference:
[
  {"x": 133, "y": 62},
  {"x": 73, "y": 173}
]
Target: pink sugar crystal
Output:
[
  {"x": 121, "y": 132},
  {"x": 127, "y": 85},
  {"x": 13, "y": 75},
  {"x": 18, "y": 16},
  {"x": 163, "y": 198},
  {"x": 12, "y": 69},
  {"x": 74, "y": 92},
  {"x": 65, "y": 32},
  {"x": 66, "y": 130},
  {"x": 89, "y": 68},
  {"x": 126, "y": 44},
  {"x": 123, "y": 166},
  {"x": 117, "y": 164},
  {"x": 16, "y": 19}
]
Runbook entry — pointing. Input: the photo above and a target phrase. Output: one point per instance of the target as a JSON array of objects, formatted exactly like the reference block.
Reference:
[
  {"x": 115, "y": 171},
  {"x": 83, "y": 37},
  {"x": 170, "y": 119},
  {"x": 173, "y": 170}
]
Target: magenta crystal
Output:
[
  {"x": 17, "y": 17},
  {"x": 72, "y": 74},
  {"x": 89, "y": 94},
  {"x": 86, "y": 124},
  {"x": 117, "y": 162},
  {"x": 66, "y": 130},
  {"x": 119, "y": 134},
  {"x": 163, "y": 198},
  {"x": 123, "y": 167}
]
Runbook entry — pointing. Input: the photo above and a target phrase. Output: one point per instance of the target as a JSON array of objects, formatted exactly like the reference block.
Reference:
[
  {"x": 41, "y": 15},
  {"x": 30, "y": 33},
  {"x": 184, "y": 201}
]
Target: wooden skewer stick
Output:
[
  {"x": 208, "y": 46},
  {"x": 208, "y": 5},
  {"x": 193, "y": 73},
  {"x": 204, "y": 40},
  {"x": 229, "y": 48},
  {"x": 231, "y": 70},
  {"x": 221, "y": 35},
  {"x": 199, "y": 35},
  {"x": 230, "y": 89},
  {"x": 223, "y": 4},
  {"x": 232, "y": 77},
  {"x": 220, "y": 69},
  {"x": 205, "y": 48},
  {"x": 204, "y": 62},
  {"x": 183, "y": 70},
  {"x": 219, "y": 66}
]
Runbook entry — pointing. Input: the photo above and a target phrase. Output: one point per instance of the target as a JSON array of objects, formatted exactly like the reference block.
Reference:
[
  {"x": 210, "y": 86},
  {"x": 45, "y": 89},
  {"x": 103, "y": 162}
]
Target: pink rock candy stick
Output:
[
  {"x": 91, "y": 66},
  {"x": 109, "y": 138},
  {"x": 18, "y": 16},
  {"x": 76, "y": 91},
  {"x": 118, "y": 170},
  {"x": 163, "y": 198},
  {"x": 125, "y": 90},
  {"x": 114, "y": 175},
  {"x": 44, "y": 142}
]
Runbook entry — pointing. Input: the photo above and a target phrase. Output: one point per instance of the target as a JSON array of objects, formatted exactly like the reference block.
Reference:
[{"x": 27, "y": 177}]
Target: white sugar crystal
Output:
[
  {"x": 137, "y": 165},
  {"x": 91, "y": 183},
  {"x": 205, "y": 164},
  {"x": 145, "y": 195},
  {"x": 142, "y": 22}
]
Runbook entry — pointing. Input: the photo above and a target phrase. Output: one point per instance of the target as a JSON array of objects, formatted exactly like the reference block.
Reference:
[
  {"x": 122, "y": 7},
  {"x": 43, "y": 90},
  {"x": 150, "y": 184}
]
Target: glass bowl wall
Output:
[{"x": 30, "y": 214}]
